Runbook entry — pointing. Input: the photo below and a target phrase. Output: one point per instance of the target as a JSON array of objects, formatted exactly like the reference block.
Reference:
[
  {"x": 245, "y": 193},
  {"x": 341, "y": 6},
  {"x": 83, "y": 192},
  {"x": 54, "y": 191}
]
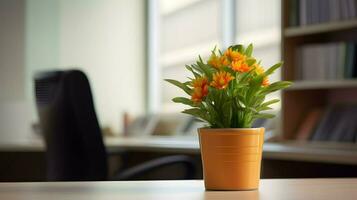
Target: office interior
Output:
[{"x": 117, "y": 53}]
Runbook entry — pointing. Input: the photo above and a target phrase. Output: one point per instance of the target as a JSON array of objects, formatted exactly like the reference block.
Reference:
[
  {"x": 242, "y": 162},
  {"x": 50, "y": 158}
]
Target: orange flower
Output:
[
  {"x": 234, "y": 55},
  {"x": 224, "y": 60},
  {"x": 214, "y": 61},
  {"x": 260, "y": 70},
  {"x": 200, "y": 82},
  {"x": 265, "y": 82},
  {"x": 240, "y": 66},
  {"x": 221, "y": 79},
  {"x": 218, "y": 62},
  {"x": 200, "y": 89}
]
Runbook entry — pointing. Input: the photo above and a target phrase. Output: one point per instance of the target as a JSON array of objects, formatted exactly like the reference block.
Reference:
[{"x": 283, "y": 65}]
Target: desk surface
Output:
[
  {"x": 297, "y": 151},
  {"x": 278, "y": 189}
]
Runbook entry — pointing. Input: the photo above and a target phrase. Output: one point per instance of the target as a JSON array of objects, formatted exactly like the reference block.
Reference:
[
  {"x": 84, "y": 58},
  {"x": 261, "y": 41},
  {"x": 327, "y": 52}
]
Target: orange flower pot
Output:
[{"x": 231, "y": 158}]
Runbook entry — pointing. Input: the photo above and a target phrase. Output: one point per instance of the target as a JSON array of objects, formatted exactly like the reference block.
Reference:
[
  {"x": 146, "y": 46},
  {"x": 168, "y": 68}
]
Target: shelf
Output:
[
  {"x": 324, "y": 84},
  {"x": 320, "y": 28},
  {"x": 321, "y": 145},
  {"x": 305, "y": 95},
  {"x": 326, "y": 152}
]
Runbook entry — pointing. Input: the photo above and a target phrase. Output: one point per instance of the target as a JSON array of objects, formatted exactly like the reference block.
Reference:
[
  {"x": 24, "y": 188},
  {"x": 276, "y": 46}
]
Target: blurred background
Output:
[{"x": 117, "y": 53}]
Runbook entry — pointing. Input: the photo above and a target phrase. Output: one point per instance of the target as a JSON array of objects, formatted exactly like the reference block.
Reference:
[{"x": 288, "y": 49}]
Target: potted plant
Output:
[{"x": 228, "y": 92}]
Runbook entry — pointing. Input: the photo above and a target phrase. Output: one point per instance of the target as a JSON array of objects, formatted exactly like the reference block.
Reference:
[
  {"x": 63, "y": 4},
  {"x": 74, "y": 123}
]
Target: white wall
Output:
[
  {"x": 104, "y": 38},
  {"x": 13, "y": 107},
  {"x": 12, "y": 50}
]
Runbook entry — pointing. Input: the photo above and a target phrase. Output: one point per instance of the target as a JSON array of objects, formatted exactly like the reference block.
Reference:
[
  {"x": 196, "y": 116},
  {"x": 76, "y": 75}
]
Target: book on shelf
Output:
[
  {"x": 324, "y": 128},
  {"x": 306, "y": 12},
  {"x": 350, "y": 61},
  {"x": 328, "y": 61},
  {"x": 309, "y": 123},
  {"x": 335, "y": 123}
]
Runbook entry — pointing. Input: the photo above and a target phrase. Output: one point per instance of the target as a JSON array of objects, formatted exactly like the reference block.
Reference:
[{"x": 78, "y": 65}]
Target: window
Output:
[
  {"x": 186, "y": 29},
  {"x": 258, "y": 22},
  {"x": 180, "y": 30}
]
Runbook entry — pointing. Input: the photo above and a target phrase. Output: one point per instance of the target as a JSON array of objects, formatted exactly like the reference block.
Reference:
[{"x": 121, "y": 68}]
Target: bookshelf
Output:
[
  {"x": 320, "y": 28},
  {"x": 330, "y": 84},
  {"x": 306, "y": 95}
]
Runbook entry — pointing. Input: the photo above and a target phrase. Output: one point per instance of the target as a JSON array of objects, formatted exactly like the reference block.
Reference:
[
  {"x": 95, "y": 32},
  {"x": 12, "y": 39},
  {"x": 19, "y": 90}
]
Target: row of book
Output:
[
  {"x": 329, "y": 61},
  {"x": 306, "y": 12},
  {"x": 335, "y": 123}
]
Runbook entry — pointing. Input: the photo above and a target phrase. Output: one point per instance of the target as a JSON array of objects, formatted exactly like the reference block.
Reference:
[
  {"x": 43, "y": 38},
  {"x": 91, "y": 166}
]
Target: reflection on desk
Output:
[
  {"x": 297, "y": 151},
  {"x": 277, "y": 189}
]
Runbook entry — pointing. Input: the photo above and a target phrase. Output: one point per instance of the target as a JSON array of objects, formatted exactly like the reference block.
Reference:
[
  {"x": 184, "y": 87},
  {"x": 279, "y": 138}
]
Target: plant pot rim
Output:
[{"x": 229, "y": 129}]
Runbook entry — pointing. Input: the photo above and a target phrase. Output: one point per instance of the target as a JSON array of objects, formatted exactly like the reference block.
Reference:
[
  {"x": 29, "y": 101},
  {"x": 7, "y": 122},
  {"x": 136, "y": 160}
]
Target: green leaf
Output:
[
  {"x": 188, "y": 82},
  {"x": 195, "y": 67},
  {"x": 264, "y": 108},
  {"x": 244, "y": 76},
  {"x": 207, "y": 70},
  {"x": 227, "y": 113},
  {"x": 199, "y": 113},
  {"x": 200, "y": 58},
  {"x": 273, "y": 68},
  {"x": 249, "y": 50},
  {"x": 213, "y": 113},
  {"x": 259, "y": 99},
  {"x": 239, "y": 48},
  {"x": 241, "y": 99},
  {"x": 275, "y": 87},
  {"x": 254, "y": 87},
  {"x": 228, "y": 69},
  {"x": 263, "y": 116},
  {"x": 253, "y": 110},
  {"x": 193, "y": 72},
  {"x": 251, "y": 61},
  {"x": 185, "y": 101},
  {"x": 180, "y": 85},
  {"x": 194, "y": 112},
  {"x": 269, "y": 102}
]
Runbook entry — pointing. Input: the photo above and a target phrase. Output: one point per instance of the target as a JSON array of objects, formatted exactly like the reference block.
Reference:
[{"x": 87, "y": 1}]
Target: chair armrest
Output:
[{"x": 146, "y": 167}]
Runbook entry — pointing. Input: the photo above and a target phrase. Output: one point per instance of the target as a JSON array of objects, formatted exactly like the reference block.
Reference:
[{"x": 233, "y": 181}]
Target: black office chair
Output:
[{"x": 75, "y": 149}]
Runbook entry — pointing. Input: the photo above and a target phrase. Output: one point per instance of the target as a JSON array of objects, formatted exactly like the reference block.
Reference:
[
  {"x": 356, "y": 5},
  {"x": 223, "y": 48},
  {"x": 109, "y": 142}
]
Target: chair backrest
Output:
[{"x": 75, "y": 149}]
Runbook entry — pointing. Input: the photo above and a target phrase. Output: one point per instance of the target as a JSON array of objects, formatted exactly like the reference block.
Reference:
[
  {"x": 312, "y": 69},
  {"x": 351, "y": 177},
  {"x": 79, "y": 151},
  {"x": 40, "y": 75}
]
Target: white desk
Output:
[
  {"x": 297, "y": 151},
  {"x": 276, "y": 189}
]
